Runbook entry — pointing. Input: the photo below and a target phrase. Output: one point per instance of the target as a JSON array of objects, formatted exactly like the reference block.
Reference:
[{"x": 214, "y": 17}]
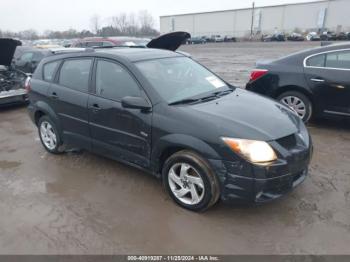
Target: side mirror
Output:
[{"x": 136, "y": 103}]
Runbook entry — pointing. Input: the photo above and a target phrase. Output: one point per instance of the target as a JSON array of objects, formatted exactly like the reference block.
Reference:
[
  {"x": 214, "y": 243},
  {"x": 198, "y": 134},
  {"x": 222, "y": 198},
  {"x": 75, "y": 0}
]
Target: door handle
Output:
[
  {"x": 54, "y": 95},
  {"x": 319, "y": 80},
  {"x": 95, "y": 108}
]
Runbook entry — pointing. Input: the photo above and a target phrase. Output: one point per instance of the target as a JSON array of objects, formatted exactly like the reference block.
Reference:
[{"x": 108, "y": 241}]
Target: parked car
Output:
[
  {"x": 166, "y": 114},
  {"x": 296, "y": 37},
  {"x": 196, "y": 40},
  {"x": 328, "y": 36},
  {"x": 342, "y": 36},
  {"x": 12, "y": 81},
  {"x": 314, "y": 82},
  {"x": 229, "y": 38},
  {"x": 313, "y": 36},
  {"x": 110, "y": 42},
  {"x": 278, "y": 37},
  {"x": 217, "y": 38},
  {"x": 26, "y": 59}
]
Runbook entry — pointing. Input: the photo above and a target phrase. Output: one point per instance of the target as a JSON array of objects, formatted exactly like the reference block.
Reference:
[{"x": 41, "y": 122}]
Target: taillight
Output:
[
  {"x": 27, "y": 84},
  {"x": 257, "y": 73}
]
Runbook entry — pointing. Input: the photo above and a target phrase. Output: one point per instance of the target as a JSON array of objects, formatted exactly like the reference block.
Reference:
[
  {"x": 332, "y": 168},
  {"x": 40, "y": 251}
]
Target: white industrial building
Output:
[{"x": 333, "y": 15}]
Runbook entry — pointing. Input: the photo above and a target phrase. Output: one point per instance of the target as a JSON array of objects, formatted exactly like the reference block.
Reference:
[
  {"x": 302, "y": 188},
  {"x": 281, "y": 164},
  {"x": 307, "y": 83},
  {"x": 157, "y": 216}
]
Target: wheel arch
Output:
[
  {"x": 170, "y": 144},
  {"x": 289, "y": 88},
  {"x": 42, "y": 109}
]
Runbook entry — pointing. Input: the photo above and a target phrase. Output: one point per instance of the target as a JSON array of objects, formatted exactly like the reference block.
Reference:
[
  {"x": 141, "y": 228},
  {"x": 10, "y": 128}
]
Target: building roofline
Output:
[{"x": 249, "y": 8}]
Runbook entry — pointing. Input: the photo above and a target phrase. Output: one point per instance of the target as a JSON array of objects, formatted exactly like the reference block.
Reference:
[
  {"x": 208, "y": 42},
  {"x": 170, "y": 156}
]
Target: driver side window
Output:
[{"x": 114, "y": 82}]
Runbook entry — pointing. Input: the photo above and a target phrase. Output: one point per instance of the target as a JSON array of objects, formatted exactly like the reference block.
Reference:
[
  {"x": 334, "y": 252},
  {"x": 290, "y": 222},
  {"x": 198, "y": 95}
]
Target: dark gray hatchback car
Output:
[{"x": 162, "y": 112}]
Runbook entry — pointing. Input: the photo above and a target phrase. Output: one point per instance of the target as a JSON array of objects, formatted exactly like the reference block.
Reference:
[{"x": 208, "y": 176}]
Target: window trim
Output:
[
  {"x": 326, "y": 68},
  {"x": 58, "y": 73},
  {"x": 94, "y": 74}
]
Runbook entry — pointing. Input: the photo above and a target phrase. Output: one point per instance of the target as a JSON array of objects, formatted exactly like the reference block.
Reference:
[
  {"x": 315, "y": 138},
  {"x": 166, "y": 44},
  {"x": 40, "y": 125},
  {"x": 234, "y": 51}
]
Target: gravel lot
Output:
[{"x": 85, "y": 204}]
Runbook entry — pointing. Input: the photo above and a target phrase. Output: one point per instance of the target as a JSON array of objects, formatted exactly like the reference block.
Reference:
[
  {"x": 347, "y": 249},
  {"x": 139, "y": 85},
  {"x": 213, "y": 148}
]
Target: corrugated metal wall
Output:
[{"x": 284, "y": 18}]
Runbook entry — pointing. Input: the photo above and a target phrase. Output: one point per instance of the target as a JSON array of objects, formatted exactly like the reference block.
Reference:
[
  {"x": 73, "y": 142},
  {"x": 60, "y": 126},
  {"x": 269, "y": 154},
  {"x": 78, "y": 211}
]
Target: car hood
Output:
[
  {"x": 244, "y": 114},
  {"x": 7, "y": 50},
  {"x": 171, "y": 41}
]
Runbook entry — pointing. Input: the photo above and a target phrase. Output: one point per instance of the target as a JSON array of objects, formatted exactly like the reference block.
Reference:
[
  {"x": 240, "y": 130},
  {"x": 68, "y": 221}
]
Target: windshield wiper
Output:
[
  {"x": 185, "y": 101},
  {"x": 222, "y": 93},
  {"x": 211, "y": 96}
]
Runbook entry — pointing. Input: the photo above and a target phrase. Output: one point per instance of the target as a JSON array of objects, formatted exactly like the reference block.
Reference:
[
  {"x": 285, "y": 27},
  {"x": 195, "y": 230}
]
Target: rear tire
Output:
[
  {"x": 49, "y": 135},
  {"x": 190, "y": 181},
  {"x": 298, "y": 102}
]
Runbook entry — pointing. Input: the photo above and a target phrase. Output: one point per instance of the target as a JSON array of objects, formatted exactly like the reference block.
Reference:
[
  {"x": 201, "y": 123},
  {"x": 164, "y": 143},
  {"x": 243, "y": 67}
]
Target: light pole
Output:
[{"x": 252, "y": 25}]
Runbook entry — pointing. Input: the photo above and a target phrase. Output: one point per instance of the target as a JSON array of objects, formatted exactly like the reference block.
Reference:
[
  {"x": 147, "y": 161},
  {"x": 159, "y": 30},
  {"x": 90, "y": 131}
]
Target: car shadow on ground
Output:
[{"x": 335, "y": 123}]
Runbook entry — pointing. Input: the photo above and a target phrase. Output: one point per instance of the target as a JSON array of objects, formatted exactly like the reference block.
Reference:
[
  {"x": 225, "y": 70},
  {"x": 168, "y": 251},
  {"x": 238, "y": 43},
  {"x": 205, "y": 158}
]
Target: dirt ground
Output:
[{"x": 86, "y": 204}]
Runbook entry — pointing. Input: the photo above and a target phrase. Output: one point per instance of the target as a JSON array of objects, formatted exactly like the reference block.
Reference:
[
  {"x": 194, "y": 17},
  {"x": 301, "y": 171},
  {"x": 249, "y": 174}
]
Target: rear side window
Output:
[
  {"x": 49, "y": 70},
  {"x": 317, "y": 61},
  {"x": 114, "y": 82},
  {"x": 75, "y": 74},
  {"x": 338, "y": 60}
]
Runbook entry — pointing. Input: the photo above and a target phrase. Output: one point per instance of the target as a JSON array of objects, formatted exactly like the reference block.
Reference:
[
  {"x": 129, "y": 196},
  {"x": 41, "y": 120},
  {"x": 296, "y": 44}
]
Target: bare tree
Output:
[
  {"x": 120, "y": 22},
  {"x": 95, "y": 21},
  {"x": 133, "y": 26},
  {"x": 146, "y": 19}
]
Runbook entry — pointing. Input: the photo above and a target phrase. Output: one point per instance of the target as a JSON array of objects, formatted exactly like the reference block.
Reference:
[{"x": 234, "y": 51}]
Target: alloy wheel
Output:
[
  {"x": 186, "y": 184},
  {"x": 295, "y": 104},
  {"x": 48, "y": 135}
]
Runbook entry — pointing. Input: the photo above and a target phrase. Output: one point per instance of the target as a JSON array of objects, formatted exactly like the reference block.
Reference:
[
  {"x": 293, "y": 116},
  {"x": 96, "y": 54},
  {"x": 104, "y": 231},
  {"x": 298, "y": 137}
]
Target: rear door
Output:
[
  {"x": 328, "y": 75},
  {"x": 118, "y": 132},
  {"x": 69, "y": 95}
]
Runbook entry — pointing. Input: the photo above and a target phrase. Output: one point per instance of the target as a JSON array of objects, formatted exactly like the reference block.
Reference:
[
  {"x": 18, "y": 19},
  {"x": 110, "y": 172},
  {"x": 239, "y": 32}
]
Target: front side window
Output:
[
  {"x": 114, "y": 82},
  {"x": 75, "y": 74},
  {"x": 49, "y": 70},
  {"x": 338, "y": 60},
  {"x": 179, "y": 78}
]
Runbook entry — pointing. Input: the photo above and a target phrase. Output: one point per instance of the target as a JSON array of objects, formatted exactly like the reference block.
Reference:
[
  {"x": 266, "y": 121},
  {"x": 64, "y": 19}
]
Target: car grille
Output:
[{"x": 288, "y": 142}]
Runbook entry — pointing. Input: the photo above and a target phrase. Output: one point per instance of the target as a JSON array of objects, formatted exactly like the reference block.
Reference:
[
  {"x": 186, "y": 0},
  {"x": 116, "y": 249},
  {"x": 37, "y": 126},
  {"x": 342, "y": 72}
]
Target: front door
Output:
[{"x": 116, "y": 132}]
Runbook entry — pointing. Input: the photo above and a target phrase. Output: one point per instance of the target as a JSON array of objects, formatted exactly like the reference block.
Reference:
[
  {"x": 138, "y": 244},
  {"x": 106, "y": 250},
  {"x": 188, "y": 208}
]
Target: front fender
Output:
[{"x": 181, "y": 141}]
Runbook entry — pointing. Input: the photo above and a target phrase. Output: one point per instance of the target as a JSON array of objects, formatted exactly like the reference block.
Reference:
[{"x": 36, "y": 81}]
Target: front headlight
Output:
[{"x": 254, "y": 151}]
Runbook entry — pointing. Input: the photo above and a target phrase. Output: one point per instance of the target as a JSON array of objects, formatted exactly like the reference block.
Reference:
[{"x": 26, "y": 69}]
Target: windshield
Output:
[{"x": 180, "y": 78}]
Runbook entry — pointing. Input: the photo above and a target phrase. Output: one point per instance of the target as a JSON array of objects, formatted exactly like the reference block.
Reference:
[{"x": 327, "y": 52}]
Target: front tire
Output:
[
  {"x": 49, "y": 135},
  {"x": 298, "y": 102},
  {"x": 190, "y": 181}
]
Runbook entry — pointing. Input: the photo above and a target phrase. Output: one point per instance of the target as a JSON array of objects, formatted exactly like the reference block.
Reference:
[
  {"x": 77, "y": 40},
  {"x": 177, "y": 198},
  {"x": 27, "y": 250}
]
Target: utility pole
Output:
[{"x": 252, "y": 25}]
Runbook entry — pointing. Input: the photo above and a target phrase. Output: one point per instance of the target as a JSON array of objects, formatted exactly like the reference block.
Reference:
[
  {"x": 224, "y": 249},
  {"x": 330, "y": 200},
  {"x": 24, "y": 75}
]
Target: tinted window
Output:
[
  {"x": 27, "y": 57},
  {"x": 107, "y": 44},
  {"x": 92, "y": 44},
  {"x": 75, "y": 74},
  {"x": 49, "y": 70},
  {"x": 338, "y": 60},
  {"x": 114, "y": 82},
  {"x": 317, "y": 61}
]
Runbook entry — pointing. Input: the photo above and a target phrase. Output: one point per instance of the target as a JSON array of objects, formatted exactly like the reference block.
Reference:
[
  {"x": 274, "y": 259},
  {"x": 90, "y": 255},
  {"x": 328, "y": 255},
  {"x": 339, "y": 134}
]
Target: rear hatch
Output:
[
  {"x": 7, "y": 50},
  {"x": 171, "y": 41}
]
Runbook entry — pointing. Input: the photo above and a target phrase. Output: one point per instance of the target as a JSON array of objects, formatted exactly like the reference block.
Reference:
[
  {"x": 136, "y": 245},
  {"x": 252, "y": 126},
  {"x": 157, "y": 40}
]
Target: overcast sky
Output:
[{"x": 64, "y": 14}]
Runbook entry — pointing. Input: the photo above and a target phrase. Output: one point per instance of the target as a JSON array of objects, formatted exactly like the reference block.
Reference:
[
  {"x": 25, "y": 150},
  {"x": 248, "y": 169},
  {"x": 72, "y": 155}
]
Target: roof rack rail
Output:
[
  {"x": 118, "y": 46},
  {"x": 59, "y": 51}
]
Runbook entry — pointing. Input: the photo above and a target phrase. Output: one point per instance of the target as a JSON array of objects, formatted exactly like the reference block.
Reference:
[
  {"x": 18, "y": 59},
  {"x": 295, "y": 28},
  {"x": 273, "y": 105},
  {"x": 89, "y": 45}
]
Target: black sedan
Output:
[
  {"x": 168, "y": 115},
  {"x": 314, "y": 82}
]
